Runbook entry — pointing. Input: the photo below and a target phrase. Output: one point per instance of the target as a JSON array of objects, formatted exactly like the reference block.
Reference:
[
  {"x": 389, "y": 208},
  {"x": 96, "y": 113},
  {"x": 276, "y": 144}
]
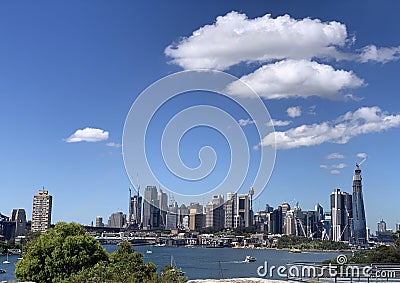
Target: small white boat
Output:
[
  {"x": 249, "y": 259},
  {"x": 6, "y": 261},
  {"x": 149, "y": 252}
]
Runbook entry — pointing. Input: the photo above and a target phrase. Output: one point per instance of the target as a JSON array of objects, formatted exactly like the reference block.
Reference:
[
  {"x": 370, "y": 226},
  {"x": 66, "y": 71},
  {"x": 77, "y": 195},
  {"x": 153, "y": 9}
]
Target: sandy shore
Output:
[{"x": 236, "y": 280}]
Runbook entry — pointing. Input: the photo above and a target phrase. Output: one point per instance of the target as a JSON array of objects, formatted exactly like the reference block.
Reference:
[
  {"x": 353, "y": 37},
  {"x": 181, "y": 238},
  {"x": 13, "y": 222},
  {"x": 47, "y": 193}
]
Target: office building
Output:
[
  {"x": 99, "y": 221},
  {"x": 172, "y": 216},
  {"x": 341, "y": 213},
  {"x": 135, "y": 209},
  {"x": 163, "y": 207},
  {"x": 230, "y": 208},
  {"x": 381, "y": 227},
  {"x": 19, "y": 217},
  {"x": 41, "y": 211},
  {"x": 215, "y": 216},
  {"x": 117, "y": 220},
  {"x": 151, "y": 208},
  {"x": 359, "y": 221}
]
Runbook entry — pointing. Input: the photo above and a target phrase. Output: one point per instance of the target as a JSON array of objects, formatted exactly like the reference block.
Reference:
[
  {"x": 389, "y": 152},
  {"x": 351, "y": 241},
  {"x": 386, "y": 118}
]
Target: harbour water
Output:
[{"x": 208, "y": 263}]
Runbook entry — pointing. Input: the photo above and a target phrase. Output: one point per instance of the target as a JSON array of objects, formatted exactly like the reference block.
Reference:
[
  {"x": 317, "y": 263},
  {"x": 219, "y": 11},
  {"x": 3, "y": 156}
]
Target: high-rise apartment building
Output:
[
  {"x": 341, "y": 216},
  {"x": 41, "y": 211},
  {"x": 359, "y": 221}
]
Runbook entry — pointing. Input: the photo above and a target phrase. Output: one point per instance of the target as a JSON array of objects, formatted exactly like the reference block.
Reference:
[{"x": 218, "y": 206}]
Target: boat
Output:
[
  {"x": 149, "y": 252},
  {"x": 6, "y": 261},
  {"x": 294, "y": 250},
  {"x": 2, "y": 271},
  {"x": 249, "y": 259}
]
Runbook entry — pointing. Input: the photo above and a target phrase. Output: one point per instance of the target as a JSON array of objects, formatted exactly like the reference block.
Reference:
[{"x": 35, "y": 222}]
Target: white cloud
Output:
[
  {"x": 382, "y": 55},
  {"x": 296, "y": 78},
  {"x": 335, "y": 155},
  {"x": 234, "y": 38},
  {"x": 335, "y": 172},
  {"x": 113, "y": 144},
  {"x": 245, "y": 122},
  {"x": 362, "y": 121},
  {"x": 324, "y": 166},
  {"x": 339, "y": 166},
  {"x": 362, "y": 155},
  {"x": 278, "y": 123},
  {"x": 294, "y": 111},
  {"x": 88, "y": 135}
]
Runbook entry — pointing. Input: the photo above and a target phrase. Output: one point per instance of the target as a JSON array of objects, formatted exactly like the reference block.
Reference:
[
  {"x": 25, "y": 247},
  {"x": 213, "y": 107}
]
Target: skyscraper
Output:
[
  {"x": 341, "y": 213},
  {"x": 19, "y": 217},
  {"x": 359, "y": 221},
  {"x": 151, "y": 208},
  {"x": 41, "y": 211},
  {"x": 135, "y": 209}
]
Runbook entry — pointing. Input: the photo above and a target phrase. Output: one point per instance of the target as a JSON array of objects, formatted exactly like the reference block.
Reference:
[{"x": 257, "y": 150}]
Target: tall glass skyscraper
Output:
[{"x": 359, "y": 222}]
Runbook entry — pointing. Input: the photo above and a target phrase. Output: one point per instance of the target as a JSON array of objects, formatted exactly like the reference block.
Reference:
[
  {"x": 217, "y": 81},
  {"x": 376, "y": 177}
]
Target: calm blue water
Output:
[{"x": 203, "y": 263}]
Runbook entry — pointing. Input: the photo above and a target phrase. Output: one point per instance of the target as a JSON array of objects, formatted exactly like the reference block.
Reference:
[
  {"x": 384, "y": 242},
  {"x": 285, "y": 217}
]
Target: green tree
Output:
[
  {"x": 170, "y": 274},
  {"x": 58, "y": 253},
  {"x": 125, "y": 266}
]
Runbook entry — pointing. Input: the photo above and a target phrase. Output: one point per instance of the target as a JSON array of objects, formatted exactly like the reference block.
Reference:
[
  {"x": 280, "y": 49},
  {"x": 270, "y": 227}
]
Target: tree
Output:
[
  {"x": 58, "y": 253},
  {"x": 125, "y": 266},
  {"x": 171, "y": 274}
]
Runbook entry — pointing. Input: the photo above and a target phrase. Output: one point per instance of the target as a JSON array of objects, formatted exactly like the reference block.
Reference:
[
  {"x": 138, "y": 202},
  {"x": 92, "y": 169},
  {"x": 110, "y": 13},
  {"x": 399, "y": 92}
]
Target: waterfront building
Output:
[
  {"x": 19, "y": 217},
  {"x": 151, "y": 208},
  {"x": 41, "y": 211},
  {"x": 397, "y": 227},
  {"x": 117, "y": 220},
  {"x": 182, "y": 212},
  {"x": 341, "y": 214},
  {"x": 99, "y": 221},
  {"x": 359, "y": 221}
]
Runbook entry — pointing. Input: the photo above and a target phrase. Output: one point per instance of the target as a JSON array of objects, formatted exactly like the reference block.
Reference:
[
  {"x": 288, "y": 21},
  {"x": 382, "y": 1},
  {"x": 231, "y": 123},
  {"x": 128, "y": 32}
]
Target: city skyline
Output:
[{"x": 67, "y": 86}]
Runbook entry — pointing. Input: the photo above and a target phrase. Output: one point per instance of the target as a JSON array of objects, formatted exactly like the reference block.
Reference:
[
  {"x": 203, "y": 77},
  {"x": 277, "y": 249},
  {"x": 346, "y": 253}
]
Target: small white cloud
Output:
[
  {"x": 324, "y": 166},
  {"x": 294, "y": 112},
  {"x": 278, "y": 123},
  {"x": 88, "y": 135},
  {"x": 381, "y": 55},
  {"x": 113, "y": 144},
  {"x": 245, "y": 122},
  {"x": 339, "y": 166},
  {"x": 297, "y": 78},
  {"x": 335, "y": 172},
  {"x": 311, "y": 110},
  {"x": 335, "y": 155},
  {"x": 362, "y": 155},
  {"x": 362, "y": 121}
]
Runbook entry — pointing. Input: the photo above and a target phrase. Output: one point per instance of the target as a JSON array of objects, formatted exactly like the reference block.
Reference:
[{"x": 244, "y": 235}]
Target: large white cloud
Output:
[
  {"x": 296, "y": 78},
  {"x": 382, "y": 55},
  {"x": 88, "y": 135},
  {"x": 234, "y": 38},
  {"x": 362, "y": 121}
]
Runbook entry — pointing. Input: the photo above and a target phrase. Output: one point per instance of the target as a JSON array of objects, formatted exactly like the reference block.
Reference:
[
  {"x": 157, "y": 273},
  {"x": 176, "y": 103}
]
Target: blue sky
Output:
[{"x": 70, "y": 65}]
